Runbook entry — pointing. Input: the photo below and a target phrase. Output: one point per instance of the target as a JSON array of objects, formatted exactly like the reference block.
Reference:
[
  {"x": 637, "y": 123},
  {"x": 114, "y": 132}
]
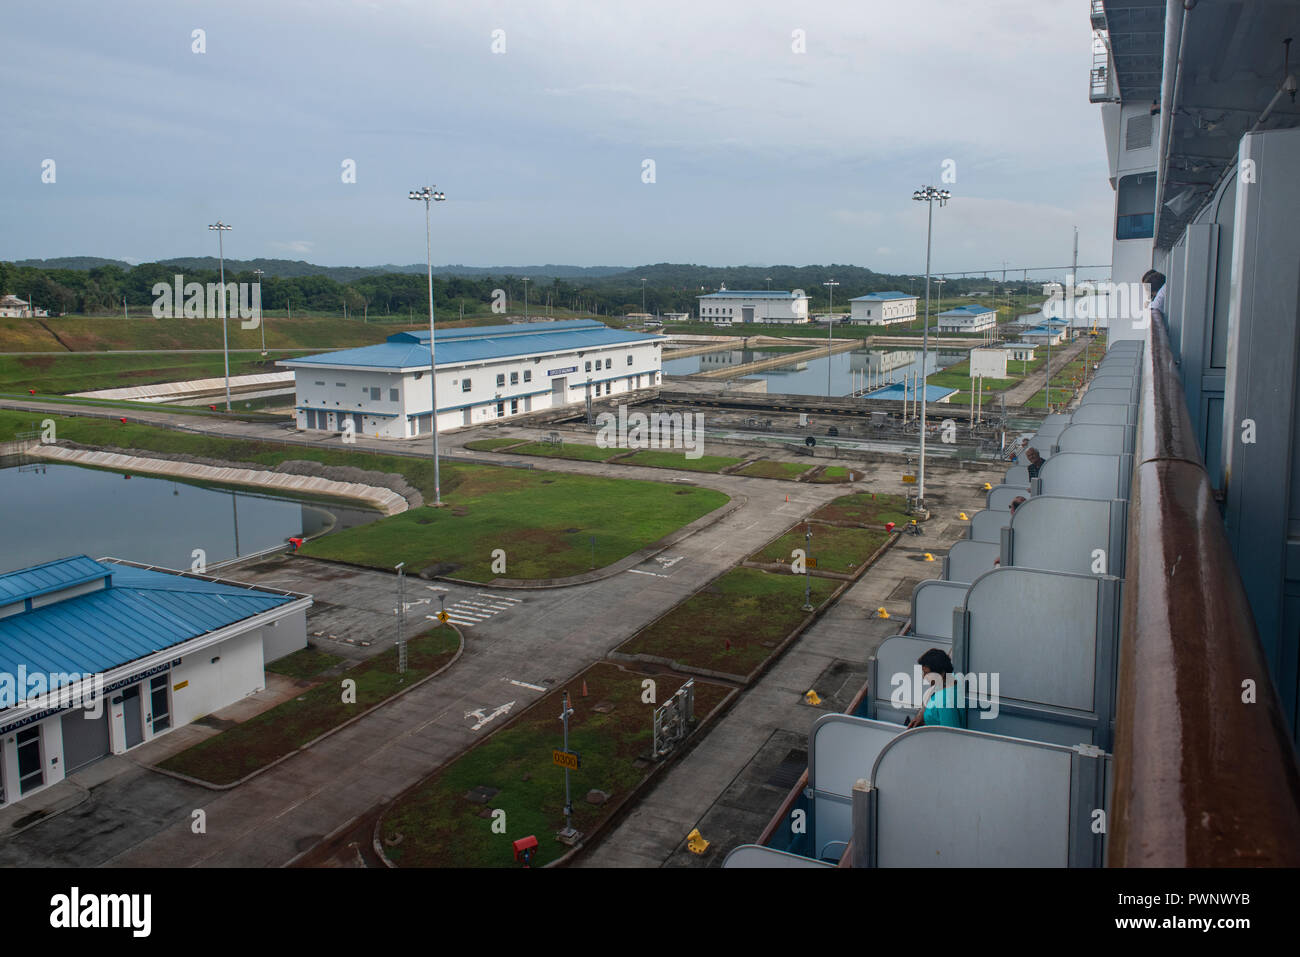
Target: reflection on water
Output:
[
  {"x": 851, "y": 370},
  {"x": 58, "y": 510}
]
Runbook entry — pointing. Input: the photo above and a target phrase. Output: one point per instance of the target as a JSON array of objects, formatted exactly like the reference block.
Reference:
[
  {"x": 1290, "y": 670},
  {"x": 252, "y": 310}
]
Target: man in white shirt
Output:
[{"x": 1155, "y": 281}]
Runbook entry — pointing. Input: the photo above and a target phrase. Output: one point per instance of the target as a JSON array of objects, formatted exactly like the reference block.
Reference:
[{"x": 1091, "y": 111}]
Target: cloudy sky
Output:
[{"x": 778, "y": 132}]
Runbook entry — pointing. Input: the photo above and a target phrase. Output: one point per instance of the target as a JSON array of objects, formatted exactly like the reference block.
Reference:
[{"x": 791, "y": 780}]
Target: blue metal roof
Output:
[
  {"x": 967, "y": 311},
  {"x": 933, "y": 393},
  {"x": 142, "y": 612},
  {"x": 51, "y": 576},
  {"x": 409, "y": 350},
  {"x": 880, "y": 296},
  {"x": 751, "y": 294}
]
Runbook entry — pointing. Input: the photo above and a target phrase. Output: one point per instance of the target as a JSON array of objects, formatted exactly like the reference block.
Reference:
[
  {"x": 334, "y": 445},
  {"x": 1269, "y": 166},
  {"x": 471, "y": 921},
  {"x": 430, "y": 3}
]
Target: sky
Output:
[{"x": 727, "y": 132}]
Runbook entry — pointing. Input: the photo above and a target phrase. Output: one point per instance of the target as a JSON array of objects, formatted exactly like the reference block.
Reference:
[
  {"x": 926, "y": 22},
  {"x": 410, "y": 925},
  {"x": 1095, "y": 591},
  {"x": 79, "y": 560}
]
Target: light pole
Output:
[
  {"x": 258, "y": 273},
  {"x": 525, "y": 299},
  {"x": 221, "y": 227},
  {"x": 928, "y": 195},
  {"x": 430, "y": 195},
  {"x": 769, "y": 283},
  {"x": 401, "y": 617},
  {"x": 939, "y": 282},
  {"x": 807, "y": 564},
  {"x": 643, "y": 297},
  {"x": 830, "y": 327}
]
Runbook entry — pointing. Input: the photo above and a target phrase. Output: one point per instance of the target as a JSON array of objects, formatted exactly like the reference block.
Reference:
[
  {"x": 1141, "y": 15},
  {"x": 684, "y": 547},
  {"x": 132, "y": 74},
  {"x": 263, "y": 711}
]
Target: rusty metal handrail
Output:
[{"x": 1202, "y": 779}]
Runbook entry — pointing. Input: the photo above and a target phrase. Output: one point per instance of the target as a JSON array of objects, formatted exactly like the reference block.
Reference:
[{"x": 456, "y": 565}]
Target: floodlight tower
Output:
[
  {"x": 928, "y": 195},
  {"x": 221, "y": 228},
  {"x": 431, "y": 195},
  {"x": 830, "y": 285}
]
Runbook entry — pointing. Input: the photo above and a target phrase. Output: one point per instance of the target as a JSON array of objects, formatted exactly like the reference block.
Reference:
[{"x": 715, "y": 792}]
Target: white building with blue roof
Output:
[
  {"x": 882, "y": 308},
  {"x": 738, "y": 306},
  {"x": 485, "y": 373},
  {"x": 971, "y": 319},
  {"x": 97, "y": 657}
]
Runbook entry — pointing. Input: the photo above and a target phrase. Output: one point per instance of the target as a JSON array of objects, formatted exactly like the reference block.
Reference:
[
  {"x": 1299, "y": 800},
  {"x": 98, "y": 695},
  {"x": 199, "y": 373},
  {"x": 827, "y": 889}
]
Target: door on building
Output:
[
  {"x": 160, "y": 711},
  {"x": 746, "y": 313},
  {"x": 85, "y": 740},
  {"x": 501, "y": 409},
  {"x": 356, "y": 423},
  {"x": 132, "y": 716},
  {"x": 31, "y": 763},
  {"x": 560, "y": 391},
  {"x": 329, "y": 421},
  {"x": 465, "y": 421},
  {"x": 514, "y": 406}
]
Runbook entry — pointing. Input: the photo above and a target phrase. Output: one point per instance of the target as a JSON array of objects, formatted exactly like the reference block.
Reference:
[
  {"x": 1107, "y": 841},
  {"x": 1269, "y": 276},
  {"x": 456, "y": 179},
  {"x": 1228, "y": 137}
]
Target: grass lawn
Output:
[
  {"x": 678, "y": 460},
  {"x": 257, "y": 742},
  {"x": 544, "y": 522},
  {"x": 865, "y": 508},
  {"x": 775, "y": 470},
  {"x": 836, "y": 549},
  {"x": 489, "y": 445},
  {"x": 60, "y": 373},
  {"x": 833, "y": 474},
  {"x": 752, "y": 609},
  {"x": 304, "y": 663},
  {"x": 569, "y": 450},
  {"x": 440, "y": 827}
]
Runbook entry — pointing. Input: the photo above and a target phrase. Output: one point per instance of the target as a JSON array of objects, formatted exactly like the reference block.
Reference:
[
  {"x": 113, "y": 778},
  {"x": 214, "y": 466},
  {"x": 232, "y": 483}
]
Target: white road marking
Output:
[
  {"x": 525, "y": 684},
  {"x": 484, "y": 719},
  {"x": 637, "y": 571}
]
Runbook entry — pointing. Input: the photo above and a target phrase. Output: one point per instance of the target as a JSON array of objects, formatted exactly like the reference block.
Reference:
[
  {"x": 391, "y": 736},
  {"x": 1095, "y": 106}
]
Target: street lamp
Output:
[
  {"x": 643, "y": 297},
  {"x": 220, "y": 228},
  {"x": 430, "y": 195},
  {"x": 525, "y": 299},
  {"x": 928, "y": 195},
  {"x": 830, "y": 327},
  {"x": 939, "y": 282},
  {"x": 259, "y": 274}
]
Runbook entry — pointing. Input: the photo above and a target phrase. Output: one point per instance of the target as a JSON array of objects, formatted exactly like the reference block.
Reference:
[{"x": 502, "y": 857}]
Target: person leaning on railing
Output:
[
  {"x": 940, "y": 700},
  {"x": 1035, "y": 462},
  {"x": 1155, "y": 281}
]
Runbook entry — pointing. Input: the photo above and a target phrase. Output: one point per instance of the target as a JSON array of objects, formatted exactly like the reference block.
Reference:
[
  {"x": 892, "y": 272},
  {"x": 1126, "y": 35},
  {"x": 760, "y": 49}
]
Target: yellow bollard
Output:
[
  {"x": 812, "y": 697},
  {"x": 962, "y": 516},
  {"x": 929, "y": 557},
  {"x": 696, "y": 843},
  {"x": 881, "y": 612}
]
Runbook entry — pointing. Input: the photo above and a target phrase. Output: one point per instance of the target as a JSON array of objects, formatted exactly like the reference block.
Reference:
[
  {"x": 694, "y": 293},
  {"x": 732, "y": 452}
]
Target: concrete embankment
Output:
[{"x": 383, "y": 499}]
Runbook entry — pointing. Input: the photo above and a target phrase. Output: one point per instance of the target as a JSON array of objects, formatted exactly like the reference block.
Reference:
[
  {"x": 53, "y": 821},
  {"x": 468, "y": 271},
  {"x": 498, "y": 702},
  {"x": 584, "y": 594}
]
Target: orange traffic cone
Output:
[{"x": 584, "y": 688}]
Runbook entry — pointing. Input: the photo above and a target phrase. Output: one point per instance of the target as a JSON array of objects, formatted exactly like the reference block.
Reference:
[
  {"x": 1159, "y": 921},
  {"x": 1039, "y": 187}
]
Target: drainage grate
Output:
[{"x": 788, "y": 772}]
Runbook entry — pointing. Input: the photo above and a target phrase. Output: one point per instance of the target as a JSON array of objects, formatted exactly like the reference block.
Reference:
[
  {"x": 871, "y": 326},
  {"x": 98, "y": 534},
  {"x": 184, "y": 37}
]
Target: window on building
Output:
[
  {"x": 528, "y": 375},
  {"x": 514, "y": 406},
  {"x": 341, "y": 385},
  {"x": 374, "y": 393},
  {"x": 392, "y": 395},
  {"x": 501, "y": 409},
  {"x": 1135, "y": 216},
  {"x": 514, "y": 378},
  {"x": 629, "y": 360},
  {"x": 588, "y": 369},
  {"x": 501, "y": 379},
  {"x": 609, "y": 363},
  {"x": 464, "y": 385},
  {"x": 320, "y": 383}
]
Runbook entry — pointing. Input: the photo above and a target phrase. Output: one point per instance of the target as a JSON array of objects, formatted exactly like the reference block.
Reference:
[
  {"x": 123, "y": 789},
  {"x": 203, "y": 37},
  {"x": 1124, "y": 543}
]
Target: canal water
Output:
[
  {"x": 809, "y": 376},
  {"x": 52, "y": 511}
]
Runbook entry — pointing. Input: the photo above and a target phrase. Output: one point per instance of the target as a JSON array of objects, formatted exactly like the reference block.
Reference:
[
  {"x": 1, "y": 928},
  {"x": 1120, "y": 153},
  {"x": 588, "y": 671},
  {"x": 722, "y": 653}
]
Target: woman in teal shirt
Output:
[{"x": 940, "y": 698}]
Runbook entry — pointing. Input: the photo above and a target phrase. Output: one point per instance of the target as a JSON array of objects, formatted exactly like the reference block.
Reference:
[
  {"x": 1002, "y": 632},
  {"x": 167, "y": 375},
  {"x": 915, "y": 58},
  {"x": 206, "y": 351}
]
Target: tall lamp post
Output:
[
  {"x": 259, "y": 274},
  {"x": 525, "y": 299},
  {"x": 643, "y": 297},
  {"x": 830, "y": 328},
  {"x": 430, "y": 195},
  {"x": 928, "y": 195},
  {"x": 220, "y": 228}
]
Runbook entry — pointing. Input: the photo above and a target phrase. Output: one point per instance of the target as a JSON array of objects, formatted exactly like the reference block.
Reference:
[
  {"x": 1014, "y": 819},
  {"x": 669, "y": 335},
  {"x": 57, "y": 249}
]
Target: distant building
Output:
[
  {"x": 735, "y": 306},
  {"x": 883, "y": 308},
  {"x": 968, "y": 319},
  {"x": 1042, "y": 335},
  {"x": 13, "y": 307},
  {"x": 485, "y": 373},
  {"x": 676, "y": 317},
  {"x": 142, "y": 642},
  {"x": 1021, "y": 351}
]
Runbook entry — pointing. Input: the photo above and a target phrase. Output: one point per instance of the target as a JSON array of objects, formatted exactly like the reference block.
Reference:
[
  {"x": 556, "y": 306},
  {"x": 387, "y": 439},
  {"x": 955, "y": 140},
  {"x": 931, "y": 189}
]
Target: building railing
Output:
[{"x": 1205, "y": 771}]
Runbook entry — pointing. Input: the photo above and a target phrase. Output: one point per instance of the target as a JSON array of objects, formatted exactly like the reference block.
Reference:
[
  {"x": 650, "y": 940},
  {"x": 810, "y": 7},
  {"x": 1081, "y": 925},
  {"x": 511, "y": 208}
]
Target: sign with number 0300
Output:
[{"x": 566, "y": 759}]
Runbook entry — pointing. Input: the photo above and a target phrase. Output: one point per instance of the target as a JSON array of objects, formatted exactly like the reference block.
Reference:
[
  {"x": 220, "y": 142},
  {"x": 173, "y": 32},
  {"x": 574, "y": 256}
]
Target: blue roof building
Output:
[
  {"x": 484, "y": 373},
  {"x": 972, "y": 318},
  {"x": 742, "y": 306},
  {"x": 97, "y": 657},
  {"x": 883, "y": 308}
]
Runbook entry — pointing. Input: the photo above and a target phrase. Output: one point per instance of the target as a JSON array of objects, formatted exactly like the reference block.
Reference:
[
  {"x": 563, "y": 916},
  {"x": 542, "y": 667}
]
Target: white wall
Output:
[
  {"x": 211, "y": 687},
  {"x": 726, "y": 310},
  {"x": 883, "y": 312}
]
